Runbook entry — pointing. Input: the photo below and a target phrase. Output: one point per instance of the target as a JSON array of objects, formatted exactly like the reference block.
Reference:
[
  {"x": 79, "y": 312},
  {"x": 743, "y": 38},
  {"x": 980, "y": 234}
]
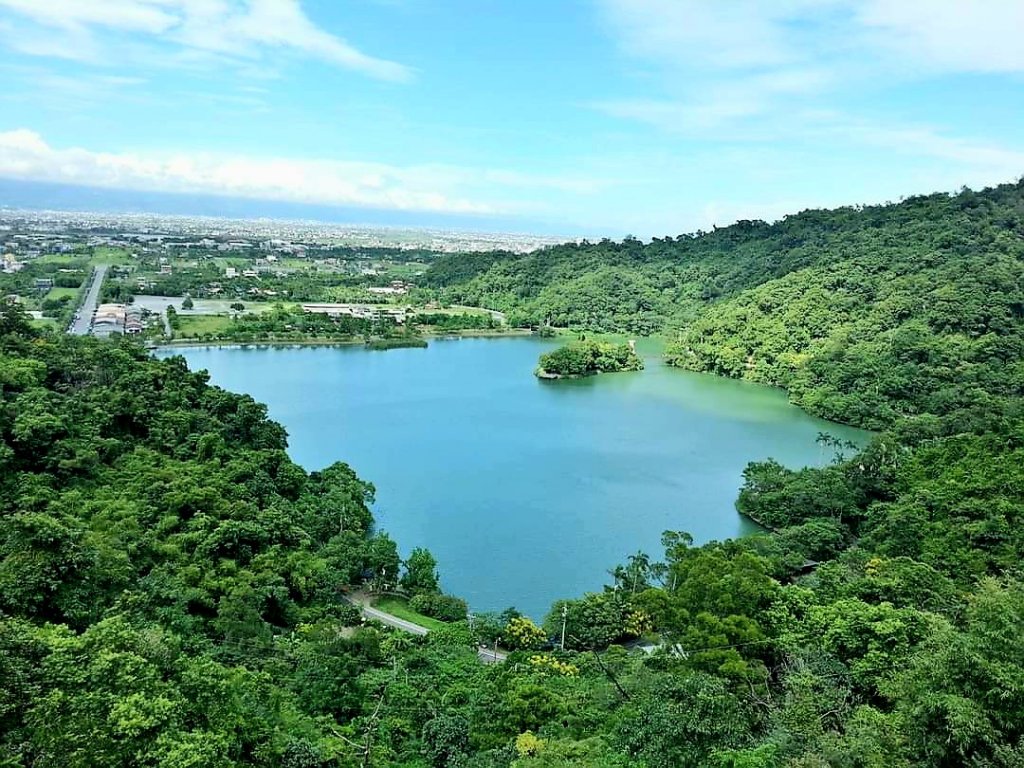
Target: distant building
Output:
[
  {"x": 361, "y": 311},
  {"x": 133, "y": 320},
  {"x": 397, "y": 288},
  {"x": 109, "y": 318},
  {"x": 11, "y": 264}
]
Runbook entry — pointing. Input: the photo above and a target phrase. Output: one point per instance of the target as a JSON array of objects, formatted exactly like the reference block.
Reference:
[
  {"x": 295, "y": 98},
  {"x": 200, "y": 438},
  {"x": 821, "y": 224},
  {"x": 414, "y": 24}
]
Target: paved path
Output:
[
  {"x": 370, "y": 612},
  {"x": 82, "y": 324},
  {"x": 362, "y": 600},
  {"x": 490, "y": 655}
]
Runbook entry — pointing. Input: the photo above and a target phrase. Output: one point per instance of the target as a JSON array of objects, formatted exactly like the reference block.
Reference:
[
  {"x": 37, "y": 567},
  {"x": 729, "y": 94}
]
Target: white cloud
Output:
[
  {"x": 735, "y": 34},
  {"x": 720, "y": 63},
  {"x": 679, "y": 116},
  {"x": 133, "y": 15},
  {"x": 236, "y": 29},
  {"x": 709, "y": 108},
  {"x": 752, "y": 71},
  {"x": 24, "y": 154},
  {"x": 753, "y": 35},
  {"x": 948, "y": 35},
  {"x": 986, "y": 163}
]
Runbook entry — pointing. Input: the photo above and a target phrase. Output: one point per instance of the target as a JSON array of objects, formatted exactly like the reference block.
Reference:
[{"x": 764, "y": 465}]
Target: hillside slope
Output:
[{"x": 866, "y": 315}]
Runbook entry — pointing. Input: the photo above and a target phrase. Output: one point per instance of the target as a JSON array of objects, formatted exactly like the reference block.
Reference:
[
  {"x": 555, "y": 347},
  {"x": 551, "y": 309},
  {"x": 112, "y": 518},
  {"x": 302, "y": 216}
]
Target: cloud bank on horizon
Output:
[{"x": 614, "y": 116}]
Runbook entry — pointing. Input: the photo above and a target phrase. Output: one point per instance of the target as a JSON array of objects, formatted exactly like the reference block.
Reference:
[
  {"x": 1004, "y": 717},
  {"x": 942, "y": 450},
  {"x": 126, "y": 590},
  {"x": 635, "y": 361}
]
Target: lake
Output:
[{"x": 525, "y": 490}]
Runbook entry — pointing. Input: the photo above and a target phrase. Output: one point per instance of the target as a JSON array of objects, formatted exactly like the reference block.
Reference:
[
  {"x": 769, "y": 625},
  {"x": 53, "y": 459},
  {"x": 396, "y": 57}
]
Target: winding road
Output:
[
  {"x": 369, "y": 612},
  {"x": 82, "y": 323},
  {"x": 362, "y": 601}
]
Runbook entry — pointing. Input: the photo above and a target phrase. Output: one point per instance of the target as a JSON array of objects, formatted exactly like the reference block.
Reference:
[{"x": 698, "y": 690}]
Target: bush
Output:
[{"x": 440, "y": 607}]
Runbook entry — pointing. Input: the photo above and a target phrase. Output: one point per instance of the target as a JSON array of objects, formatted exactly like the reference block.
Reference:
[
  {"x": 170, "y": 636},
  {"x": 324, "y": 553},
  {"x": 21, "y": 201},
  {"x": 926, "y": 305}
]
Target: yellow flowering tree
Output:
[
  {"x": 551, "y": 665},
  {"x": 528, "y": 744},
  {"x": 521, "y": 634}
]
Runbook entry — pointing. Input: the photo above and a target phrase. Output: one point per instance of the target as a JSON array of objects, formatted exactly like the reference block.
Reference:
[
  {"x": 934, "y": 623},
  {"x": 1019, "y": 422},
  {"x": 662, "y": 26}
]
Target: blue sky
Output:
[{"x": 592, "y": 117}]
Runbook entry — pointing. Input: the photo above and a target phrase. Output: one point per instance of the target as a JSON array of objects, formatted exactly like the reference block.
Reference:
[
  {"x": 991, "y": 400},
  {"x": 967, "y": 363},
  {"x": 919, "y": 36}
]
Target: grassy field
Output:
[
  {"x": 57, "y": 293},
  {"x": 43, "y": 322},
  {"x": 197, "y": 325},
  {"x": 108, "y": 255},
  {"x": 60, "y": 258},
  {"x": 454, "y": 310},
  {"x": 403, "y": 270},
  {"x": 397, "y": 606},
  {"x": 102, "y": 255}
]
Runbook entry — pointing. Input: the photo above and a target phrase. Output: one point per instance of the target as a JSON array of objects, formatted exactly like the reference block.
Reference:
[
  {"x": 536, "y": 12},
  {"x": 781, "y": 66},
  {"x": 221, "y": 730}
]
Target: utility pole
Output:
[{"x": 565, "y": 616}]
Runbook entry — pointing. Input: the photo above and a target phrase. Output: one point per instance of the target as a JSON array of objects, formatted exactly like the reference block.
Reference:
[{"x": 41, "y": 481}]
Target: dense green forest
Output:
[{"x": 170, "y": 582}]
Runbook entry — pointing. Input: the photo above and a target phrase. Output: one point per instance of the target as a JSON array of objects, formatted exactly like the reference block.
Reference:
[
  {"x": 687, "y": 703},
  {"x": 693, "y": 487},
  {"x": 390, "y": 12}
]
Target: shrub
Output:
[{"x": 441, "y": 607}]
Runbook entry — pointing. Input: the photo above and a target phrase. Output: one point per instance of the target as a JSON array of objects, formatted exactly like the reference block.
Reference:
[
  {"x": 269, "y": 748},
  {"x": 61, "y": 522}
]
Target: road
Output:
[
  {"x": 83, "y": 322},
  {"x": 370, "y": 612},
  {"x": 362, "y": 600}
]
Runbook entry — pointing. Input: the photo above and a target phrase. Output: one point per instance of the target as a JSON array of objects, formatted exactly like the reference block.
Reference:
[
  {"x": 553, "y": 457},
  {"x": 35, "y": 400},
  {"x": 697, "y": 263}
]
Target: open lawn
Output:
[
  {"x": 197, "y": 325},
  {"x": 101, "y": 255},
  {"x": 61, "y": 258},
  {"x": 231, "y": 261},
  {"x": 454, "y": 310},
  {"x": 398, "y": 606},
  {"x": 403, "y": 270},
  {"x": 107, "y": 255},
  {"x": 57, "y": 293}
]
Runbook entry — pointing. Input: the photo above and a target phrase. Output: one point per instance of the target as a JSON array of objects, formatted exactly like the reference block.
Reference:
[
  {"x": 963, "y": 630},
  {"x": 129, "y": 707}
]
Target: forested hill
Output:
[
  {"x": 154, "y": 538},
  {"x": 866, "y": 315},
  {"x": 641, "y": 287}
]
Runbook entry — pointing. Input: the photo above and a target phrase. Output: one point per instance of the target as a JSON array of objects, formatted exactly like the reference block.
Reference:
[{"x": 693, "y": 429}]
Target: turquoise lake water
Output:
[{"x": 525, "y": 490}]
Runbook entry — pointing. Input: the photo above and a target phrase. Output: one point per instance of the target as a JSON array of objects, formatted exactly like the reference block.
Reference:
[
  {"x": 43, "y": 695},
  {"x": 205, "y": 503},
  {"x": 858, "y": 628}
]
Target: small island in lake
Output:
[{"x": 585, "y": 358}]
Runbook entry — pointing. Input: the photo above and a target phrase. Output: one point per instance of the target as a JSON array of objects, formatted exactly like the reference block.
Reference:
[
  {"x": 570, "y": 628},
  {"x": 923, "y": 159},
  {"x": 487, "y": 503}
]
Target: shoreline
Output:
[{"x": 467, "y": 334}]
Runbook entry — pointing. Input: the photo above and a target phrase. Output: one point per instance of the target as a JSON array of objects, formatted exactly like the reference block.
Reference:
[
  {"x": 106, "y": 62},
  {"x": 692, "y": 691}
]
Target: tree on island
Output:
[
  {"x": 585, "y": 358},
  {"x": 187, "y": 303}
]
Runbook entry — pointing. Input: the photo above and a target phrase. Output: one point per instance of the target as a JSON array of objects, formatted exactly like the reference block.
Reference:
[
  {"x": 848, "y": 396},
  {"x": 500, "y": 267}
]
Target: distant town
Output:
[{"x": 193, "y": 279}]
